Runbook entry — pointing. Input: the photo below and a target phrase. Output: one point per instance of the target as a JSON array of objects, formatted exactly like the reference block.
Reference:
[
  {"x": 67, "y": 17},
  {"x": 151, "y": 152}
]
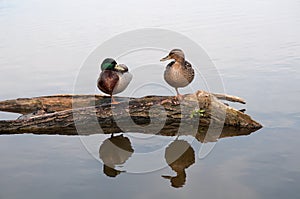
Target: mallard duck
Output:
[
  {"x": 178, "y": 73},
  {"x": 114, "y": 78}
]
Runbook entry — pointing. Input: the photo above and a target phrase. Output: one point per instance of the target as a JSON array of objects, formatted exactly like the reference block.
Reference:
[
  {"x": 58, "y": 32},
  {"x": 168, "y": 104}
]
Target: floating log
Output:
[
  {"x": 162, "y": 115},
  {"x": 56, "y": 103}
]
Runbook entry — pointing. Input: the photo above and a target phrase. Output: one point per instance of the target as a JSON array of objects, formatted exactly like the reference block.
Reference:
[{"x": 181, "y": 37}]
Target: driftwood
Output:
[{"x": 162, "y": 115}]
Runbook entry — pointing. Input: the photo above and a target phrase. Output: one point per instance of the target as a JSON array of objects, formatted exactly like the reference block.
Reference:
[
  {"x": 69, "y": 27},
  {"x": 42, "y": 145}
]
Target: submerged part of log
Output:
[
  {"x": 201, "y": 115},
  {"x": 203, "y": 134}
]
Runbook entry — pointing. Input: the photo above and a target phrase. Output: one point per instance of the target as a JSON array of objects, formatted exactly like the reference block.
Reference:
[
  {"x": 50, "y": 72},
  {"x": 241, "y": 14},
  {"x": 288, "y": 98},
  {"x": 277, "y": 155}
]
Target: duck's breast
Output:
[
  {"x": 107, "y": 81},
  {"x": 176, "y": 75}
]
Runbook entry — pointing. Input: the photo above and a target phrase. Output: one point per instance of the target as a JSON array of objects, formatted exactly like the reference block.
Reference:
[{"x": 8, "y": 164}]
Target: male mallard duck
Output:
[
  {"x": 114, "y": 78},
  {"x": 178, "y": 73}
]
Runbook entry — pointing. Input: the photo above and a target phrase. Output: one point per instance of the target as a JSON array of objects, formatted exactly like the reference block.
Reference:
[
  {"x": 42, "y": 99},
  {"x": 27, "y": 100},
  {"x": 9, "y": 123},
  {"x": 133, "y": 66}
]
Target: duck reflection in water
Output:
[
  {"x": 114, "y": 151},
  {"x": 179, "y": 155}
]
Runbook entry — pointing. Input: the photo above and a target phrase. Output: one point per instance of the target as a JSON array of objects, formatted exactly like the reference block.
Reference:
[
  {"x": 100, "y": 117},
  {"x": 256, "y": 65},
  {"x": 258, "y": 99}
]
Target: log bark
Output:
[
  {"x": 63, "y": 102},
  {"x": 162, "y": 115}
]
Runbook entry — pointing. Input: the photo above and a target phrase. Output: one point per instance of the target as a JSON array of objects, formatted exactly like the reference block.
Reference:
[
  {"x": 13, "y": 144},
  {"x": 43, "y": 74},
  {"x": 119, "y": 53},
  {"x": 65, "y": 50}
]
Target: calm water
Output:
[{"x": 255, "y": 46}]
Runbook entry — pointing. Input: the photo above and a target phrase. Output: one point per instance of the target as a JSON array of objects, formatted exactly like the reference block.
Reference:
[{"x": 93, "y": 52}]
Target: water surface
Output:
[{"x": 255, "y": 46}]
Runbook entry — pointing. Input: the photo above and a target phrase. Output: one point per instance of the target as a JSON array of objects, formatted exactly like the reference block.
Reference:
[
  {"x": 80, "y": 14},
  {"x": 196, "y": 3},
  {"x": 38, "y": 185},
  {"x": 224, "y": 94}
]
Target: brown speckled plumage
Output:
[{"x": 178, "y": 73}]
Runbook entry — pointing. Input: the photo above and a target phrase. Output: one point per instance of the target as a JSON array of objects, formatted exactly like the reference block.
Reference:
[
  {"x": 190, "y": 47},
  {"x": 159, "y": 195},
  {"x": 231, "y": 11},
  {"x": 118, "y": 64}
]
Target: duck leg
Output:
[
  {"x": 179, "y": 96},
  {"x": 176, "y": 100},
  {"x": 113, "y": 101}
]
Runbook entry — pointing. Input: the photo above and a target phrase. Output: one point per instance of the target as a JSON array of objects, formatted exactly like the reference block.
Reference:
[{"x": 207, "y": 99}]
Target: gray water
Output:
[{"x": 254, "y": 45}]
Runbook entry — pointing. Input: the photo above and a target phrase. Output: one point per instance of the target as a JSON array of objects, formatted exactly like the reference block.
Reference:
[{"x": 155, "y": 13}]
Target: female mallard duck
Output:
[
  {"x": 178, "y": 73},
  {"x": 114, "y": 78}
]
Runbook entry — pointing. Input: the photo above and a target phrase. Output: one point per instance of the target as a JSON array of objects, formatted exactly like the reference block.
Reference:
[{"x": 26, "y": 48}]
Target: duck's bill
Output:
[
  {"x": 165, "y": 58},
  {"x": 120, "y": 68},
  {"x": 166, "y": 177}
]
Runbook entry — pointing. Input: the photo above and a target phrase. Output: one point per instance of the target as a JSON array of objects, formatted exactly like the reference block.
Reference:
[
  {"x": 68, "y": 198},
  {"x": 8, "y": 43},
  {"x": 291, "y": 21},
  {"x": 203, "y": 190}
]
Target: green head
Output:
[
  {"x": 111, "y": 64},
  {"x": 108, "y": 64}
]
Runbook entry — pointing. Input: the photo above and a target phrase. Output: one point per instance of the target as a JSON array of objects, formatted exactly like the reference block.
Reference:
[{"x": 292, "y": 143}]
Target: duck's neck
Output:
[{"x": 180, "y": 60}]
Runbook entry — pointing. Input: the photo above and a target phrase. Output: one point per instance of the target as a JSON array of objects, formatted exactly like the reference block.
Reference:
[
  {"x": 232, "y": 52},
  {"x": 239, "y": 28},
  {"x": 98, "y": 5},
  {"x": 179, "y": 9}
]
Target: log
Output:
[
  {"x": 161, "y": 115},
  {"x": 56, "y": 103}
]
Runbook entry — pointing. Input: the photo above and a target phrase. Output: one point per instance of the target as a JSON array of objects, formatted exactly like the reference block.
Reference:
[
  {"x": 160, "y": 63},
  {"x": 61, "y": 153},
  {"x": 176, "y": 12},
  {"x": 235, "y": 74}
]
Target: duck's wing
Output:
[
  {"x": 124, "y": 80},
  {"x": 189, "y": 71},
  {"x": 189, "y": 67},
  {"x": 107, "y": 81}
]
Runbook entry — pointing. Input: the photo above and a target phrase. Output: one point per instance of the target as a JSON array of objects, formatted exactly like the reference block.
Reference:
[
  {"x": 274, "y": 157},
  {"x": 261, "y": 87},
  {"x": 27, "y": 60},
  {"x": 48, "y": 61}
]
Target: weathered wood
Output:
[
  {"x": 230, "y": 98},
  {"x": 63, "y": 102},
  {"x": 51, "y": 103},
  {"x": 131, "y": 115}
]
